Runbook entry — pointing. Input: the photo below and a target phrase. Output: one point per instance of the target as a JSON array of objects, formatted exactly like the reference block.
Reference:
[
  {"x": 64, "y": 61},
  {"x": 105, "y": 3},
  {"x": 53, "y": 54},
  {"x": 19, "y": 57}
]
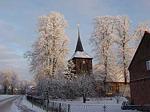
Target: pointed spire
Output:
[{"x": 79, "y": 46}]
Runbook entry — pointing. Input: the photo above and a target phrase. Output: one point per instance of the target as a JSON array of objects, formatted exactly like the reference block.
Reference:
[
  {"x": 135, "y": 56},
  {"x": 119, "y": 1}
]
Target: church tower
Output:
[{"x": 81, "y": 60}]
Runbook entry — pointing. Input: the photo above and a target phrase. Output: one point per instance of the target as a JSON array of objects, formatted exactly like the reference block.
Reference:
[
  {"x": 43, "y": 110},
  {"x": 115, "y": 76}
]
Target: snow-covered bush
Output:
[
  {"x": 86, "y": 85},
  {"x": 70, "y": 90}
]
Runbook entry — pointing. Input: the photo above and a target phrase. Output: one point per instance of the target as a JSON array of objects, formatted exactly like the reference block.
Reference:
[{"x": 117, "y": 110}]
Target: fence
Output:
[
  {"x": 59, "y": 107},
  {"x": 95, "y": 108},
  {"x": 76, "y": 106},
  {"x": 51, "y": 106},
  {"x": 127, "y": 106}
]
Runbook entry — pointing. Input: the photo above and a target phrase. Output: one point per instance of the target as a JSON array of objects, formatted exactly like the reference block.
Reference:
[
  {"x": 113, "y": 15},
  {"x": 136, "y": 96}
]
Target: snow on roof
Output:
[{"x": 80, "y": 54}]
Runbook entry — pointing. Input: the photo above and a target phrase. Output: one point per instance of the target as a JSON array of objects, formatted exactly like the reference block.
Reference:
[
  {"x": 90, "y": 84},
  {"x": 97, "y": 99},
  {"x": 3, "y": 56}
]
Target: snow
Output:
[
  {"x": 2, "y": 97},
  {"x": 18, "y": 105},
  {"x": 80, "y": 54},
  {"x": 7, "y": 103},
  {"x": 93, "y": 105},
  {"x": 29, "y": 105},
  {"x": 14, "y": 108},
  {"x": 96, "y": 105}
]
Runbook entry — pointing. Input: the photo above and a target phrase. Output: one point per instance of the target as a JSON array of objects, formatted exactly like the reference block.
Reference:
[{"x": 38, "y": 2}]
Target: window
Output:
[
  {"x": 148, "y": 65},
  {"x": 83, "y": 61}
]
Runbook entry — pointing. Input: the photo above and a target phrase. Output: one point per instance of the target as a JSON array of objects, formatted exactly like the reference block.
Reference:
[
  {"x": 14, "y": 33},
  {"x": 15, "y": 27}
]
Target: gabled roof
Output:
[{"x": 143, "y": 44}]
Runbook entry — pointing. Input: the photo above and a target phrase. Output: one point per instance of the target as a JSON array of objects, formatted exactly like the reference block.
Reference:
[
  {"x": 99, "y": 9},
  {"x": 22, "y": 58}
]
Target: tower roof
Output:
[
  {"x": 79, "y": 46},
  {"x": 81, "y": 54},
  {"x": 79, "y": 51}
]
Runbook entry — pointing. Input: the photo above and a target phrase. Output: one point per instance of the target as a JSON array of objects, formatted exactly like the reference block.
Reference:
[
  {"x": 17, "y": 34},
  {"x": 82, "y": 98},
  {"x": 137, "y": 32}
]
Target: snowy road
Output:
[
  {"x": 6, "y": 104},
  {"x": 16, "y": 104}
]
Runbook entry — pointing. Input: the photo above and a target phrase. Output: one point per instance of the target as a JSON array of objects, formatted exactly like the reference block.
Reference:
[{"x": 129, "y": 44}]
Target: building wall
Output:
[
  {"x": 82, "y": 65},
  {"x": 117, "y": 88},
  {"x": 140, "y": 82},
  {"x": 139, "y": 75},
  {"x": 140, "y": 93}
]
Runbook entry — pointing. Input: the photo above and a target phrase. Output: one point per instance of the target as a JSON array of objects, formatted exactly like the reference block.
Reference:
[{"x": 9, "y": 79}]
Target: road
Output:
[
  {"x": 17, "y": 104},
  {"x": 6, "y": 104}
]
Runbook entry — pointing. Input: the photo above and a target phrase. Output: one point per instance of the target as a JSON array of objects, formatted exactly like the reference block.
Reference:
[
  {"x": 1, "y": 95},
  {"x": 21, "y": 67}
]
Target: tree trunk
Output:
[
  {"x": 124, "y": 64},
  {"x": 5, "y": 89},
  {"x": 12, "y": 90},
  {"x": 84, "y": 98}
]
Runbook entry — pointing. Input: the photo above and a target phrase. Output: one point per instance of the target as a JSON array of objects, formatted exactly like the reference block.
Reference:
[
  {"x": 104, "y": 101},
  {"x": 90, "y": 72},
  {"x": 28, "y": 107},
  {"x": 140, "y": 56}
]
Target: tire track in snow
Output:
[
  {"x": 5, "y": 104},
  {"x": 21, "y": 107}
]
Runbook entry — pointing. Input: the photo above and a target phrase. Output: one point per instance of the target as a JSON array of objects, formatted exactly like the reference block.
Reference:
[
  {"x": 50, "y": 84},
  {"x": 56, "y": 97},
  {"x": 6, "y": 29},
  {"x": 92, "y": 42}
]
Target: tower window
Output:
[
  {"x": 83, "y": 61},
  {"x": 148, "y": 65}
]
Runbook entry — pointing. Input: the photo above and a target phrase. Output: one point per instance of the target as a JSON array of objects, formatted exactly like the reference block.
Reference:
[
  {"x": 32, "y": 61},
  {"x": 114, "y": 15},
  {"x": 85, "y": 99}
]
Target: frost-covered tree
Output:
[
  {"x": 55, "y": 89},
  {"x": 124, "y": 51},
  {"x": 139, "y": 31},
  {"x": 9, "y": 80},
  {"x": 125, "y": 42},
  {"x": 49, "y": 51},
  {"x": 102, "y": 39},
  {"x": 70, "y": 89},
  {"x": 114, "y": 45},
  {"x": 69, "y": 71},
  {"x": 22, "y": 86}
]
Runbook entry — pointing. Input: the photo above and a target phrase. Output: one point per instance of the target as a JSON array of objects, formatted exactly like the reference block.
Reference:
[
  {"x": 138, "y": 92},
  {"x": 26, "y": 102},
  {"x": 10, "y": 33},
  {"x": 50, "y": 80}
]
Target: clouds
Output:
[
  {"x": 7, "y": 32},
  {"x": 19, "y": 23},
  {"x": 9, "y": 59},
  {"x": 5, "y": 28},
  {"x": 11, "y": 50},
  {"x": 145, "y": 3}
]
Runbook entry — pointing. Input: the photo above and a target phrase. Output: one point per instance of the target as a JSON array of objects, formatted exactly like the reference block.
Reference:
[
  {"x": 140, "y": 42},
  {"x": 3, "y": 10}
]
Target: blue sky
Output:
[{"x": 19, "y": 21}]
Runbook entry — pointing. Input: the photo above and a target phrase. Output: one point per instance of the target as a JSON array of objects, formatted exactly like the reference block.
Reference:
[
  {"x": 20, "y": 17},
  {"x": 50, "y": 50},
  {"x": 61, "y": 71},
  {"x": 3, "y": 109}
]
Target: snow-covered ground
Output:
[
  {"x": 14, "y": 107},
  {"x": 2, "y": 97},
  {"x": 96, "y": 105},
  {"x": 17, "y": 104},
  {"x": 29, "y": 105},
  {"x": 93, "y": 105},
  {"x": 7, "y": 103}
]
